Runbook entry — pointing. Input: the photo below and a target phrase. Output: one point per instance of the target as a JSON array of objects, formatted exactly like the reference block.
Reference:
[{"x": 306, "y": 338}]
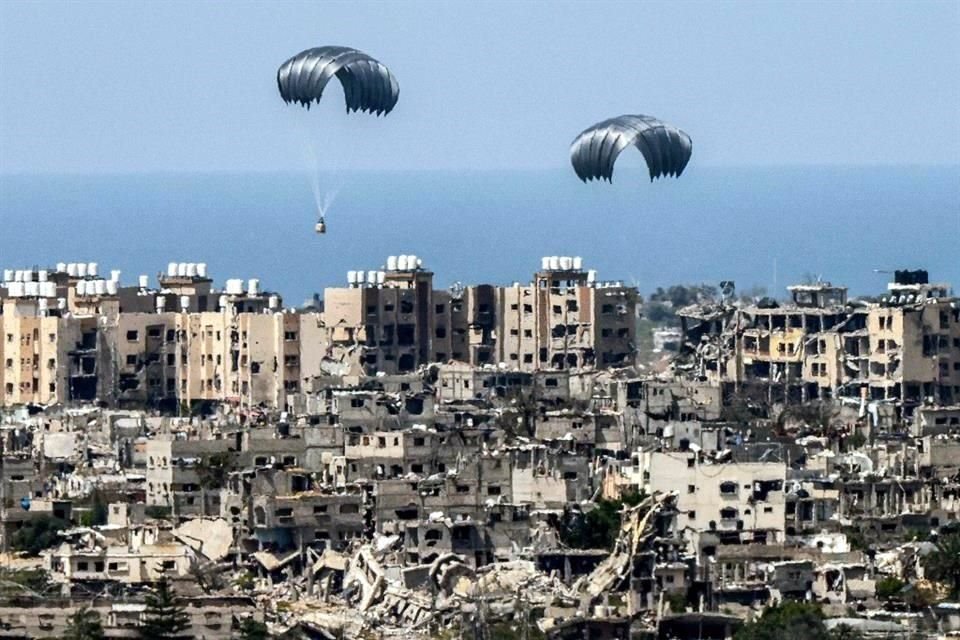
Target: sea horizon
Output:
[{"x": 759, "y": 226}]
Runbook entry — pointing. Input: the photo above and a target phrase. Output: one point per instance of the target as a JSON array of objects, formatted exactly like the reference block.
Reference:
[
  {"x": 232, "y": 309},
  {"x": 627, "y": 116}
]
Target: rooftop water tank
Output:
[
  {"x": 401, "y": 263},
  {"x": 100, "y": 287},
  {"x": 181, "y": 269},
  {"x": 391, "y": 263},
  {"x": 554, "y": 263},
  {"x": 61, "y": 267},
  {"x": 566, "y": 263},
  {"x": 8, "y": 275},
  {"x": 578, "y": 263},
  {"x": 361, "y": 277},
  {"x": 112, "y": 287},
  {"x": 544, "y": 263},
  {"x": 351, "y": 277},
  {"x": 143, "y": 281},
  {"x": 411, "y": 262},
  {"x": 381, "y": 277},
  {"x": 72, "y": 269},
  {"x": 202, "y": 269},
  {"x": 372, "y": 277},
  {"x": 115, "y": 275},
  {"x": 81, "y": 269},
  {"x": 91, "y": 268},
  {"x": 32, "y": 289},
  {"x": 184, "y": 303},
  {"x": 192, "y": 269},
  {"x": 171, "y": 269},
  {"x": 82, "y": 288},
  {"x": 253, "y": 287}
]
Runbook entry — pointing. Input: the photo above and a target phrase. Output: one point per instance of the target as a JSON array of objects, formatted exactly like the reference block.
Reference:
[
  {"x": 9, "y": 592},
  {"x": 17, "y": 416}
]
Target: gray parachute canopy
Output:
[
  {"x": 367, "y": 85},
  {"x": 665, "y": 148}
]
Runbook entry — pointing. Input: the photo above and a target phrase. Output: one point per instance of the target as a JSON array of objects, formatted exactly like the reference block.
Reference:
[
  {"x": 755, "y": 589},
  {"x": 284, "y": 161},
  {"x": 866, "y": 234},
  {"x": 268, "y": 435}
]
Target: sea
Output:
[{"x": 763, "y": 228}]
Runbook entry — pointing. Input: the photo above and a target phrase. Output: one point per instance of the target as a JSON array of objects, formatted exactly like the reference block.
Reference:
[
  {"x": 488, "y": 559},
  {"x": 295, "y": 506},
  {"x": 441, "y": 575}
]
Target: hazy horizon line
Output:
[{"x": 463, "y": 170}]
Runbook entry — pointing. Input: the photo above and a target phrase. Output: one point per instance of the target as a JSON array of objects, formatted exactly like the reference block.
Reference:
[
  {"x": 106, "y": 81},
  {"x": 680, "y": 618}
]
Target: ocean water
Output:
[{"x": 760, "y": 227}]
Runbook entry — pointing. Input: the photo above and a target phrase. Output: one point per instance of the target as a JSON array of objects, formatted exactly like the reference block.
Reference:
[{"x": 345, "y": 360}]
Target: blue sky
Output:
[{"x": 178, "y": 86}]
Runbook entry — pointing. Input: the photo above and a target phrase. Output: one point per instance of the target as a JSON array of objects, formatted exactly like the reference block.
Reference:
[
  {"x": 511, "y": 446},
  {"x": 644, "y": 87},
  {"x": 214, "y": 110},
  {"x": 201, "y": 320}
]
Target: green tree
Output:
[
  {"x": 889, "y": 587},
  {"x": 84, "y": 624},
  {"x": 786, "y": 621},
  {"x": 943, "y": 564},
  {"x": 251, "y": 629},
  {"x": 595, "y": 529},
  {"x": 845, "y": 632},
  {"x": 97, "y": 516},
  {"x": 165, "y": 617},
  {"x": 38, "y": 534}
]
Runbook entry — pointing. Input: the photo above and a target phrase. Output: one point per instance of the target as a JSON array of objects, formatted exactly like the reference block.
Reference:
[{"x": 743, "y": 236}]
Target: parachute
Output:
[
  {"x": 367, "y": 84},
  {"x": 666, "y": 149}
]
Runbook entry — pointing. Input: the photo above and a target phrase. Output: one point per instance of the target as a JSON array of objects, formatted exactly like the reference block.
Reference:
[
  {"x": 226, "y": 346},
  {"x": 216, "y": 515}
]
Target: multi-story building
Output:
[{"x": 904, "y": 348}]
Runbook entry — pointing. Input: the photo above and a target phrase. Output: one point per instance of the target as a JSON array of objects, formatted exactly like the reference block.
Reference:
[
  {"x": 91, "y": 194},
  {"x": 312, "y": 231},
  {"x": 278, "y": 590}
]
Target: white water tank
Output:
[
  {"x": 171, "y": 269},
  {"x": 112, "y": 287},
  {"x": 222, "y": 302},
  {"x": 391, "y": 263},
  {"x": 100, "y": 287},
  {"x": 181, "y": 269},
  {"x": 143, "y": 281},
  {"x": 554, "y": 263},
  {"x": 578, "y": 263},
  {"x": 351, "y": 278},
  {"x": 372, "y": 277},
  {"x": 16, "y": 289},
  {"x": 401, "y": 263},
  {"x": 32, "y": 288},
  {"x": 192, "y": 269},
  {"x": 273, "y": 302},
  {"x": 253, "y": 287},
  {"x": 82, "y": 288},
  {"x": 42, "y": 304},
  {"x": 411, "y": 262},
  {"x": 81, "y": 269},
  {"x": 592, "y": 276},
  {"x": 8, "y": 275},
  {"x": 18, "y": 275},
  {"x": 91, "y": 268},
  {"x": 381, "y": 277},
  {"x": 544, "y": 263},
  {"x": 161, "y": 304},
  {"x": 566, "y": 262},
  {"x": 42, "y": 275},
  {"x": 234, "y": 286},
  {"x": 72, "y": 269},
  {"x": 419, "y": 262},
  {"x": 361, "y": 277},
  {"x": 202, "y": 269},
  {"x": 61, "y": 267},
  {"x": 115, "y": 275},
  {"x": 184, "y": 303}
]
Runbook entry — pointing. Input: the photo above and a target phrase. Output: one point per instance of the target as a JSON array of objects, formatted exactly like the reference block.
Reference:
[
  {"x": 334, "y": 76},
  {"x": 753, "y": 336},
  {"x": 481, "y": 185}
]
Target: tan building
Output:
[{"x": 566, "y": 320}]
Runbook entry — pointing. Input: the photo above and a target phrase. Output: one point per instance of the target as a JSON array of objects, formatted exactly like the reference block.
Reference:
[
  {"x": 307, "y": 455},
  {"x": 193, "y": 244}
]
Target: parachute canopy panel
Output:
[
  {"x": 367, "y": 84},
  {"x": 665, "y": 148}
]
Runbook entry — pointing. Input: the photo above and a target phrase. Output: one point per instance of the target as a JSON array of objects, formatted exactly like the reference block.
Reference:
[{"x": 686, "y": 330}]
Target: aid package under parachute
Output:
[
  {"x": 368, "y": 85},
  {"x": 665, "y": 148}
]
